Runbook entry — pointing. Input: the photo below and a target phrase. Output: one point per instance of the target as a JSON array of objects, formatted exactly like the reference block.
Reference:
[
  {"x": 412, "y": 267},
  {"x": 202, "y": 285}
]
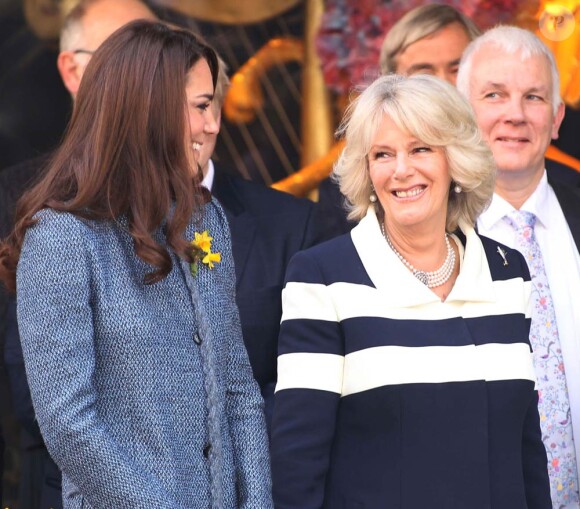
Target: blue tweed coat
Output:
[{"x": 143, "y": 393}]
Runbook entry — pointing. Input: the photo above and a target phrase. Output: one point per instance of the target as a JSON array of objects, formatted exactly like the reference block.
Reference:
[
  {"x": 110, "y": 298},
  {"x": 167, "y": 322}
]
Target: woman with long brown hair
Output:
[{"x": 131, "y": 338}]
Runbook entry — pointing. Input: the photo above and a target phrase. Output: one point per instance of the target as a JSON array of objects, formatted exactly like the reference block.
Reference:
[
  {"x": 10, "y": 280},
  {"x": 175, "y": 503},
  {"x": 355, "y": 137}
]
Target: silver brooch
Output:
[{"x": 502, "y": 253}]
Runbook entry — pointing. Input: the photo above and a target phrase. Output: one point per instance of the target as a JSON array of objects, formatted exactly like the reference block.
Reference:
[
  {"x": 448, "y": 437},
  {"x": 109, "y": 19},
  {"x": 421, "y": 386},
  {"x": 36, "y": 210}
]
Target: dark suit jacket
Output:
[
  {"x": 331, "y": 203},
  {"x": 569, "y": 198},
  {"x": 267, "y": 228},
  {"x": 40, "y": 477},
  {"x": 13, "y": 182},
  {"x": 558, "y": 172}
]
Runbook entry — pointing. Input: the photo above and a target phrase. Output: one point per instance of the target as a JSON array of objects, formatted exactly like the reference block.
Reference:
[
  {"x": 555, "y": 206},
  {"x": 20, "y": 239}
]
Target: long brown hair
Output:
[{"x": 124, "y": 152}]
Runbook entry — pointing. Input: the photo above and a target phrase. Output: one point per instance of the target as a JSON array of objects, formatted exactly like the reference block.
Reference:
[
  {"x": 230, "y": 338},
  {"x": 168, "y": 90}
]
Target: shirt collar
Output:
[
  {"x": 207, "y": 180},
  {"x": 537, "y": 204},
  {"x": 400, "y": 287}
]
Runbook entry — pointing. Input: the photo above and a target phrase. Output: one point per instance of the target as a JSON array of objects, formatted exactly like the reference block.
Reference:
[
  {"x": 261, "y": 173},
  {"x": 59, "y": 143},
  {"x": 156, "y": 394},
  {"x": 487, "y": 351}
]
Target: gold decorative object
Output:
[
  {"x": 230, "y": 11},
  {"x": 43, "y": 18},
  {"x": 557, "y": 155},
  {"x": 245, "y": 96},
  {"x": 317, "y": 126},
  {"x": 309, "y": 177},
  {"x": 558, "y": 25}
]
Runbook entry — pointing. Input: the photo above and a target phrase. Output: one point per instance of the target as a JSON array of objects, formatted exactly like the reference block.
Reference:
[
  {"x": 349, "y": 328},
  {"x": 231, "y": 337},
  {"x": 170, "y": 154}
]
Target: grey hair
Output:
[
  {"x": 434, "y": 112},
  {"x": 417, "y": 24},
  {"x": 71, "y": 33},
  {"x": 512, "y": 40}
]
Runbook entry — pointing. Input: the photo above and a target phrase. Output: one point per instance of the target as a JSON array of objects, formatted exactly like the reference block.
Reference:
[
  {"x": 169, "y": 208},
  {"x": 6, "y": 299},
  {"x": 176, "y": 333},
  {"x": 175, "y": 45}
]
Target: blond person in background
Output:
[{"x": 428, "y": 40}]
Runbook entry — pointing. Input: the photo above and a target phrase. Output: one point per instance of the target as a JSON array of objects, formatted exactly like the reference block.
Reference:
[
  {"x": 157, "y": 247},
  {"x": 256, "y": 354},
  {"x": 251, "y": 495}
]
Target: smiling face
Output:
[
  {"x": 411, "y": 179},
  {"x": 200, "y": 116},
  {"x": 512, "y": 99},
  {"x": 437, "y": 54}
]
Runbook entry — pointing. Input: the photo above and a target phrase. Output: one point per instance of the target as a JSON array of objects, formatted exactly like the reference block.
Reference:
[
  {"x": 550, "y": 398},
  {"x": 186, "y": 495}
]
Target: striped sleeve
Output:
[{"x": 310, "y": 366}]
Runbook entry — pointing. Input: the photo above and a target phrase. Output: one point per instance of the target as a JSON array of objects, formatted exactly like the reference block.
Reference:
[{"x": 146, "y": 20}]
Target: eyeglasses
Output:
[{"x": 85, "y": 51}]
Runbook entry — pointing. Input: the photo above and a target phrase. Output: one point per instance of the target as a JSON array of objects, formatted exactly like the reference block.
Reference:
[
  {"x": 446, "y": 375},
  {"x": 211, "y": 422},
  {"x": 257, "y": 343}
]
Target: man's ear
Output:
[
  {"x": 70, "y": 71},
  {"x": 558, "y": 117}
]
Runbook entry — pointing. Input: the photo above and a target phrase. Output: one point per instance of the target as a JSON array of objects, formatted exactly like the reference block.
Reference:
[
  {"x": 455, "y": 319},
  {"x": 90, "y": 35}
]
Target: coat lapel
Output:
[
  {"x": 569, "y": 199},
  {"x": 243, "y": 226}
]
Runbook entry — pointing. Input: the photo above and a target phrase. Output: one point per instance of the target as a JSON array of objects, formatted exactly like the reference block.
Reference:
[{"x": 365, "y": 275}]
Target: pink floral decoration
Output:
[{"x": 352, "y": 31}]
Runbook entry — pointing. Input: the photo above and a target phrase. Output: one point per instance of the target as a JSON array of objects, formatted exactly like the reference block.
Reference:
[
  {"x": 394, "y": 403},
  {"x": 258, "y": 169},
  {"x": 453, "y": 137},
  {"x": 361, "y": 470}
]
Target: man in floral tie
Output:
[{"x": 512, "y": 82}]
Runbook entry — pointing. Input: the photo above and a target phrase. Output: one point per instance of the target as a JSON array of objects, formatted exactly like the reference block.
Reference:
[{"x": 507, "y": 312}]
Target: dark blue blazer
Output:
[{"x": 267, "y": 228}]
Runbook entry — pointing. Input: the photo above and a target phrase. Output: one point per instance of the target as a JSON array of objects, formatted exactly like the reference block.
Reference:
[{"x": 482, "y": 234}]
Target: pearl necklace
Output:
[{"x": 430, "y": 279}]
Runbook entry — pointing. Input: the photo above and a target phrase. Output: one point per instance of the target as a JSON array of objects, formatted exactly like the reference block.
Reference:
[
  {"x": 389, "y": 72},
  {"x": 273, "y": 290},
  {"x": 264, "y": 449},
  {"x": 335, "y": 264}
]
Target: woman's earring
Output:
[
  {"x": 457, "y": 188},
  {"x": 373, "y": 196}
]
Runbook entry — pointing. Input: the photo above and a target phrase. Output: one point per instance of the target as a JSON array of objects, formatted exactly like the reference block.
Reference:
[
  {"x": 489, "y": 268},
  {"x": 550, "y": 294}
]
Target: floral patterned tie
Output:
[{"x": 554, "y": 405}]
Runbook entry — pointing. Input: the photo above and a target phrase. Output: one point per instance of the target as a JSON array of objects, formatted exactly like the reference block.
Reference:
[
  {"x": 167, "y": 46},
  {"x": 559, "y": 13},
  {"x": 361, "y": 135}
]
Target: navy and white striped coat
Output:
[{"x": 388, "y": 398}]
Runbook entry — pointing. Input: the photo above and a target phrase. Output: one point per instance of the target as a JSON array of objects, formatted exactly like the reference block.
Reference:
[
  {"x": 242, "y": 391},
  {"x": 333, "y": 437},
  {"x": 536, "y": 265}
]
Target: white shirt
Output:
[
  {"x": 562, "y": 263},
  {"x": 207, "y": 180}
]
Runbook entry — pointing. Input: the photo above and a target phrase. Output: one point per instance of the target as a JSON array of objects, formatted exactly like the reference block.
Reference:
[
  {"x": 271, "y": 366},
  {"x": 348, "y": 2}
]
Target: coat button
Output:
[
  {"x": 206, "y": 450},
  {"x": 196, "y": 339}
]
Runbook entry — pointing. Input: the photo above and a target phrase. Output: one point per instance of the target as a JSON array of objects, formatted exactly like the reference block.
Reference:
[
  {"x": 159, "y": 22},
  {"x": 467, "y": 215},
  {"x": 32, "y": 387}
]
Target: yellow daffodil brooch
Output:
[{"x": 201, "y": 251}]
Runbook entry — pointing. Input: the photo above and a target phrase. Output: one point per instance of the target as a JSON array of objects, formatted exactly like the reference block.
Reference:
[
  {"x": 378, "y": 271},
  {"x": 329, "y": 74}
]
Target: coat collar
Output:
[{"x": 400, "y": 288}]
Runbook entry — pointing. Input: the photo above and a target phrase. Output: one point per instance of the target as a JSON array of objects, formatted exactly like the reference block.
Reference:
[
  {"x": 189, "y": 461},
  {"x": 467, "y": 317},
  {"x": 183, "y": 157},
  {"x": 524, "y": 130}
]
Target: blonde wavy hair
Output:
[{"x": 434, "y": 112}]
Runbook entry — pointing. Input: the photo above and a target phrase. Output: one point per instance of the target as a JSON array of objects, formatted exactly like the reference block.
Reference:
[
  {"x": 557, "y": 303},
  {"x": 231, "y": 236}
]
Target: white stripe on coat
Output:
[
  {"x": 341, "y": 301},
  {"x": 395, "y": 365},
  {"x": 321, "y": 371}
]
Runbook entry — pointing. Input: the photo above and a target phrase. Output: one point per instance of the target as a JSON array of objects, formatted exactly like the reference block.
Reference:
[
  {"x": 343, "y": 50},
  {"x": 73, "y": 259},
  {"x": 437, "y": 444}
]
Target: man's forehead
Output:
[
  {"x": 492, "y": 65},
  {"x": 105, "y": 17}
]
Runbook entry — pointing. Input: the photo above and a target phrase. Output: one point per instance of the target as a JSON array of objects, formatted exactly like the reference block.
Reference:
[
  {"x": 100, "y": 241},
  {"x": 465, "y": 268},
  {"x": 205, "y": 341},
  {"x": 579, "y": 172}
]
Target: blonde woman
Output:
[{"x": 405, "y": 376}]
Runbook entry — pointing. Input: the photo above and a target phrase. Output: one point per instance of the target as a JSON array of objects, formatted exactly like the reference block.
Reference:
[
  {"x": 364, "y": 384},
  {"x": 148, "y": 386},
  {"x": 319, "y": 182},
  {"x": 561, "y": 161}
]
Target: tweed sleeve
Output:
[
  {"x": 310, "y": 370},
  {"x": 244, "y": 405},
  {"x": 55, "y": 318}
]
